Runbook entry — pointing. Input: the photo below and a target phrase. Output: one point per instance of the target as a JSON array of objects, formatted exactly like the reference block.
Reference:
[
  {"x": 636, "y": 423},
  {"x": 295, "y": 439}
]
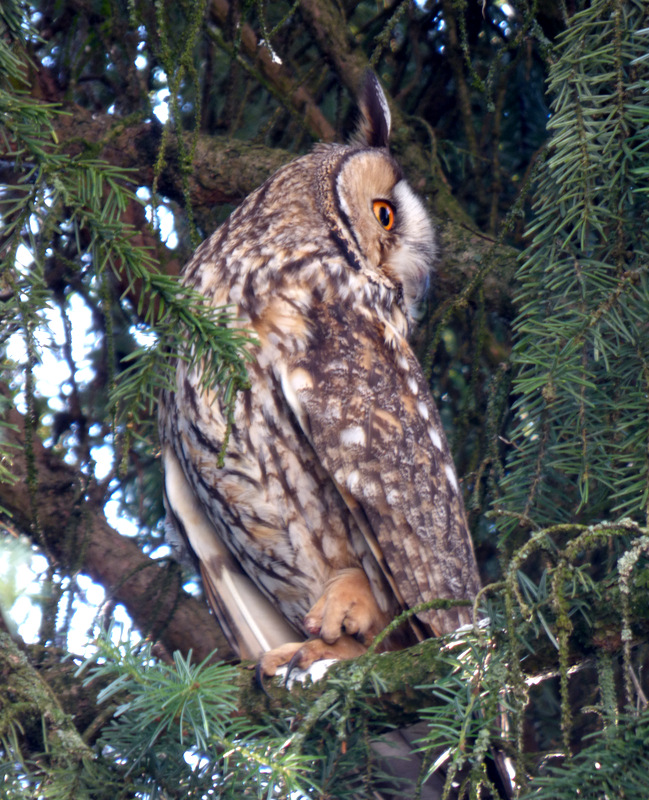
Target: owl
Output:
[{"x": 337, "y": 504}]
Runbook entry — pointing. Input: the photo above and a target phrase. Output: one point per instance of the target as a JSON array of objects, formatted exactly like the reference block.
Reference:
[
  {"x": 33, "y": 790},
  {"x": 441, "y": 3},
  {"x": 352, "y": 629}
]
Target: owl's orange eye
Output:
[{"x": 384, "y": 213}]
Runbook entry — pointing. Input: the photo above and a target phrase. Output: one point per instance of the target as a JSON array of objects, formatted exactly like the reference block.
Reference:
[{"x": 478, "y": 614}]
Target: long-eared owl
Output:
[{"x": 337, "y": 505}]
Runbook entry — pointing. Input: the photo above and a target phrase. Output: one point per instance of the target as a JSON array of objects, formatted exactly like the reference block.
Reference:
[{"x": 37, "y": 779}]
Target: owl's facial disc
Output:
[{"x": 386, "y": 221}]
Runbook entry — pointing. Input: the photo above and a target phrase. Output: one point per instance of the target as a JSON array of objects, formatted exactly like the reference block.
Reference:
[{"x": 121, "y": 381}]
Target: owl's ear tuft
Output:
[{"x": 374, "y": 126}]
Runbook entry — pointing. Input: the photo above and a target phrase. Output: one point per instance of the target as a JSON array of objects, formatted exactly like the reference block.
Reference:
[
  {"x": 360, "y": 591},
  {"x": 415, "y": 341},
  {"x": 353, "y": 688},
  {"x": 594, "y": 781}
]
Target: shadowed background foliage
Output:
[{"x": 128, "y": 132}]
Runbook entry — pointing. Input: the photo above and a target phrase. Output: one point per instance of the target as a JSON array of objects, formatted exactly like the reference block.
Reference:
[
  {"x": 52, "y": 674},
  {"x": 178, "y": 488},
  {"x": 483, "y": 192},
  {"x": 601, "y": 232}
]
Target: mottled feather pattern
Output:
[
  {"x": 336, "y": 458},
  {"x": 377, "y": 432}
]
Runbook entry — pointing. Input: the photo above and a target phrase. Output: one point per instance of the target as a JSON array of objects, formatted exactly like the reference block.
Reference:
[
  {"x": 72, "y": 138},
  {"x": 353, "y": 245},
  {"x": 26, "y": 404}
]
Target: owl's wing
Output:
[
  {"x": 361, "y": 399},
  {"x": 250, "y": 622}
]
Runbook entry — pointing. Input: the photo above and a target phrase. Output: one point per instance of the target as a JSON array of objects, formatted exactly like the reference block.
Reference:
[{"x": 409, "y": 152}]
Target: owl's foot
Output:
[
  {"x": 345, "y": 619},
  {"x": 347, "y": 606},
  {"x": 300, "y": 655}
]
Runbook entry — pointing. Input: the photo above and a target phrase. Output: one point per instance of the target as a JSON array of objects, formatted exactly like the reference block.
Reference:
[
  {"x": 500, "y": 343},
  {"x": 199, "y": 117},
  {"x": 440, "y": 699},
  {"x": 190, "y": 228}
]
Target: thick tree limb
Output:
[
  {"x": 73, "y": 530},
  {"x": 227, "y": 170},
  {"x": 40, "y": 720}
]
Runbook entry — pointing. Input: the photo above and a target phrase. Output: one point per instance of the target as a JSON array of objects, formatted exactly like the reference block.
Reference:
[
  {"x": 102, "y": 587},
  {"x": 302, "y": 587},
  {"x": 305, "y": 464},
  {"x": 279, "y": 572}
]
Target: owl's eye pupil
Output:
[{"x": 384, "y": 213}]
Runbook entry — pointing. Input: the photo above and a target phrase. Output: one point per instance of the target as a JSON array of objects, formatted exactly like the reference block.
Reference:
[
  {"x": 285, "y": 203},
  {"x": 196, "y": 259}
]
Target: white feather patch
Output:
[
  {"x": 435, "y": 438},
  {"x": 385, "y": 108},
  {"x": 450, "y": 474},
  {"x": 353, "y": 481},
  {"x": 413, "y": 261},
  {"x": 352, "y": 436},
  {"x": 259, "y": 626},
  {"x": 315, "y": 672}
]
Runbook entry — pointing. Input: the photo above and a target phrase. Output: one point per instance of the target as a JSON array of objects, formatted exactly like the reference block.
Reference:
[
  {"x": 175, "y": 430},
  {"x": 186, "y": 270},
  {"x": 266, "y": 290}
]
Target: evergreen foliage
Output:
[
  {"x": 79, "y": 203},
  {"x": 551, "y": 437},
  {"x": 177, "y": 730},
  {"x": 614, "y": 765},
  {"x": 581, "y": 352}
]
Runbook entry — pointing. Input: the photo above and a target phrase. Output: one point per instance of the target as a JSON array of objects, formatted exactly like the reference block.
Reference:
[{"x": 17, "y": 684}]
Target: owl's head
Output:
[{"x": 376, "y": 218}]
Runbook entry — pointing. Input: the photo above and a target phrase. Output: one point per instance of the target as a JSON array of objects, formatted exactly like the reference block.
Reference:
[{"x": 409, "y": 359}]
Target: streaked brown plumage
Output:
[{"x": 338, "y": 495}]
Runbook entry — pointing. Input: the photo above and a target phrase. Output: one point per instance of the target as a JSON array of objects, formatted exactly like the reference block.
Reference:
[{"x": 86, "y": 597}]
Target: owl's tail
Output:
[{"x": 251, "y": 624}]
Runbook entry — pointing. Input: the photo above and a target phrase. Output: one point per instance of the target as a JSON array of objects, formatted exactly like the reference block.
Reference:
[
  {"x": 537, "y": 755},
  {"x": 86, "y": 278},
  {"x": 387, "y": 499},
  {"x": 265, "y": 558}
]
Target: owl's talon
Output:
[
  {"x": 259, "y": 678},
  {"x": 272, "y": 660},
  {"x": 301, "y": 655},
  {"x": 292, "y": 664}
]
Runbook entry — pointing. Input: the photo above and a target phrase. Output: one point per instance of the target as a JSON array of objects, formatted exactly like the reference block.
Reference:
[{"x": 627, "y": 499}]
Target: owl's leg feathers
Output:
[
  {"x": 346, "y": 618},
  {"x": 347, "y": 606},
  {"x": 300, "y": 655}
]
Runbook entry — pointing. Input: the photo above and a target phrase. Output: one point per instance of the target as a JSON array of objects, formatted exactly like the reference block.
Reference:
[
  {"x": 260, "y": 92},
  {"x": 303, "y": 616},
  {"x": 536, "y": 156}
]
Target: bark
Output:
[
  {"x": 30, "y": 712},
  {"x": 227, "y": 170},
  {"x": 283, "y": 83},
  {"x": 72, "y": 530}
]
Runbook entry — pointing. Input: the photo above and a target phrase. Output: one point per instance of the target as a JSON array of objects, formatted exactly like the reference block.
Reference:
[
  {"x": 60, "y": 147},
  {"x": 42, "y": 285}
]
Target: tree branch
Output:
[
  {"x": 31, "y": 710},
  {"x": 277, "y": 75},
  {"x": 73, "y": 528}
]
